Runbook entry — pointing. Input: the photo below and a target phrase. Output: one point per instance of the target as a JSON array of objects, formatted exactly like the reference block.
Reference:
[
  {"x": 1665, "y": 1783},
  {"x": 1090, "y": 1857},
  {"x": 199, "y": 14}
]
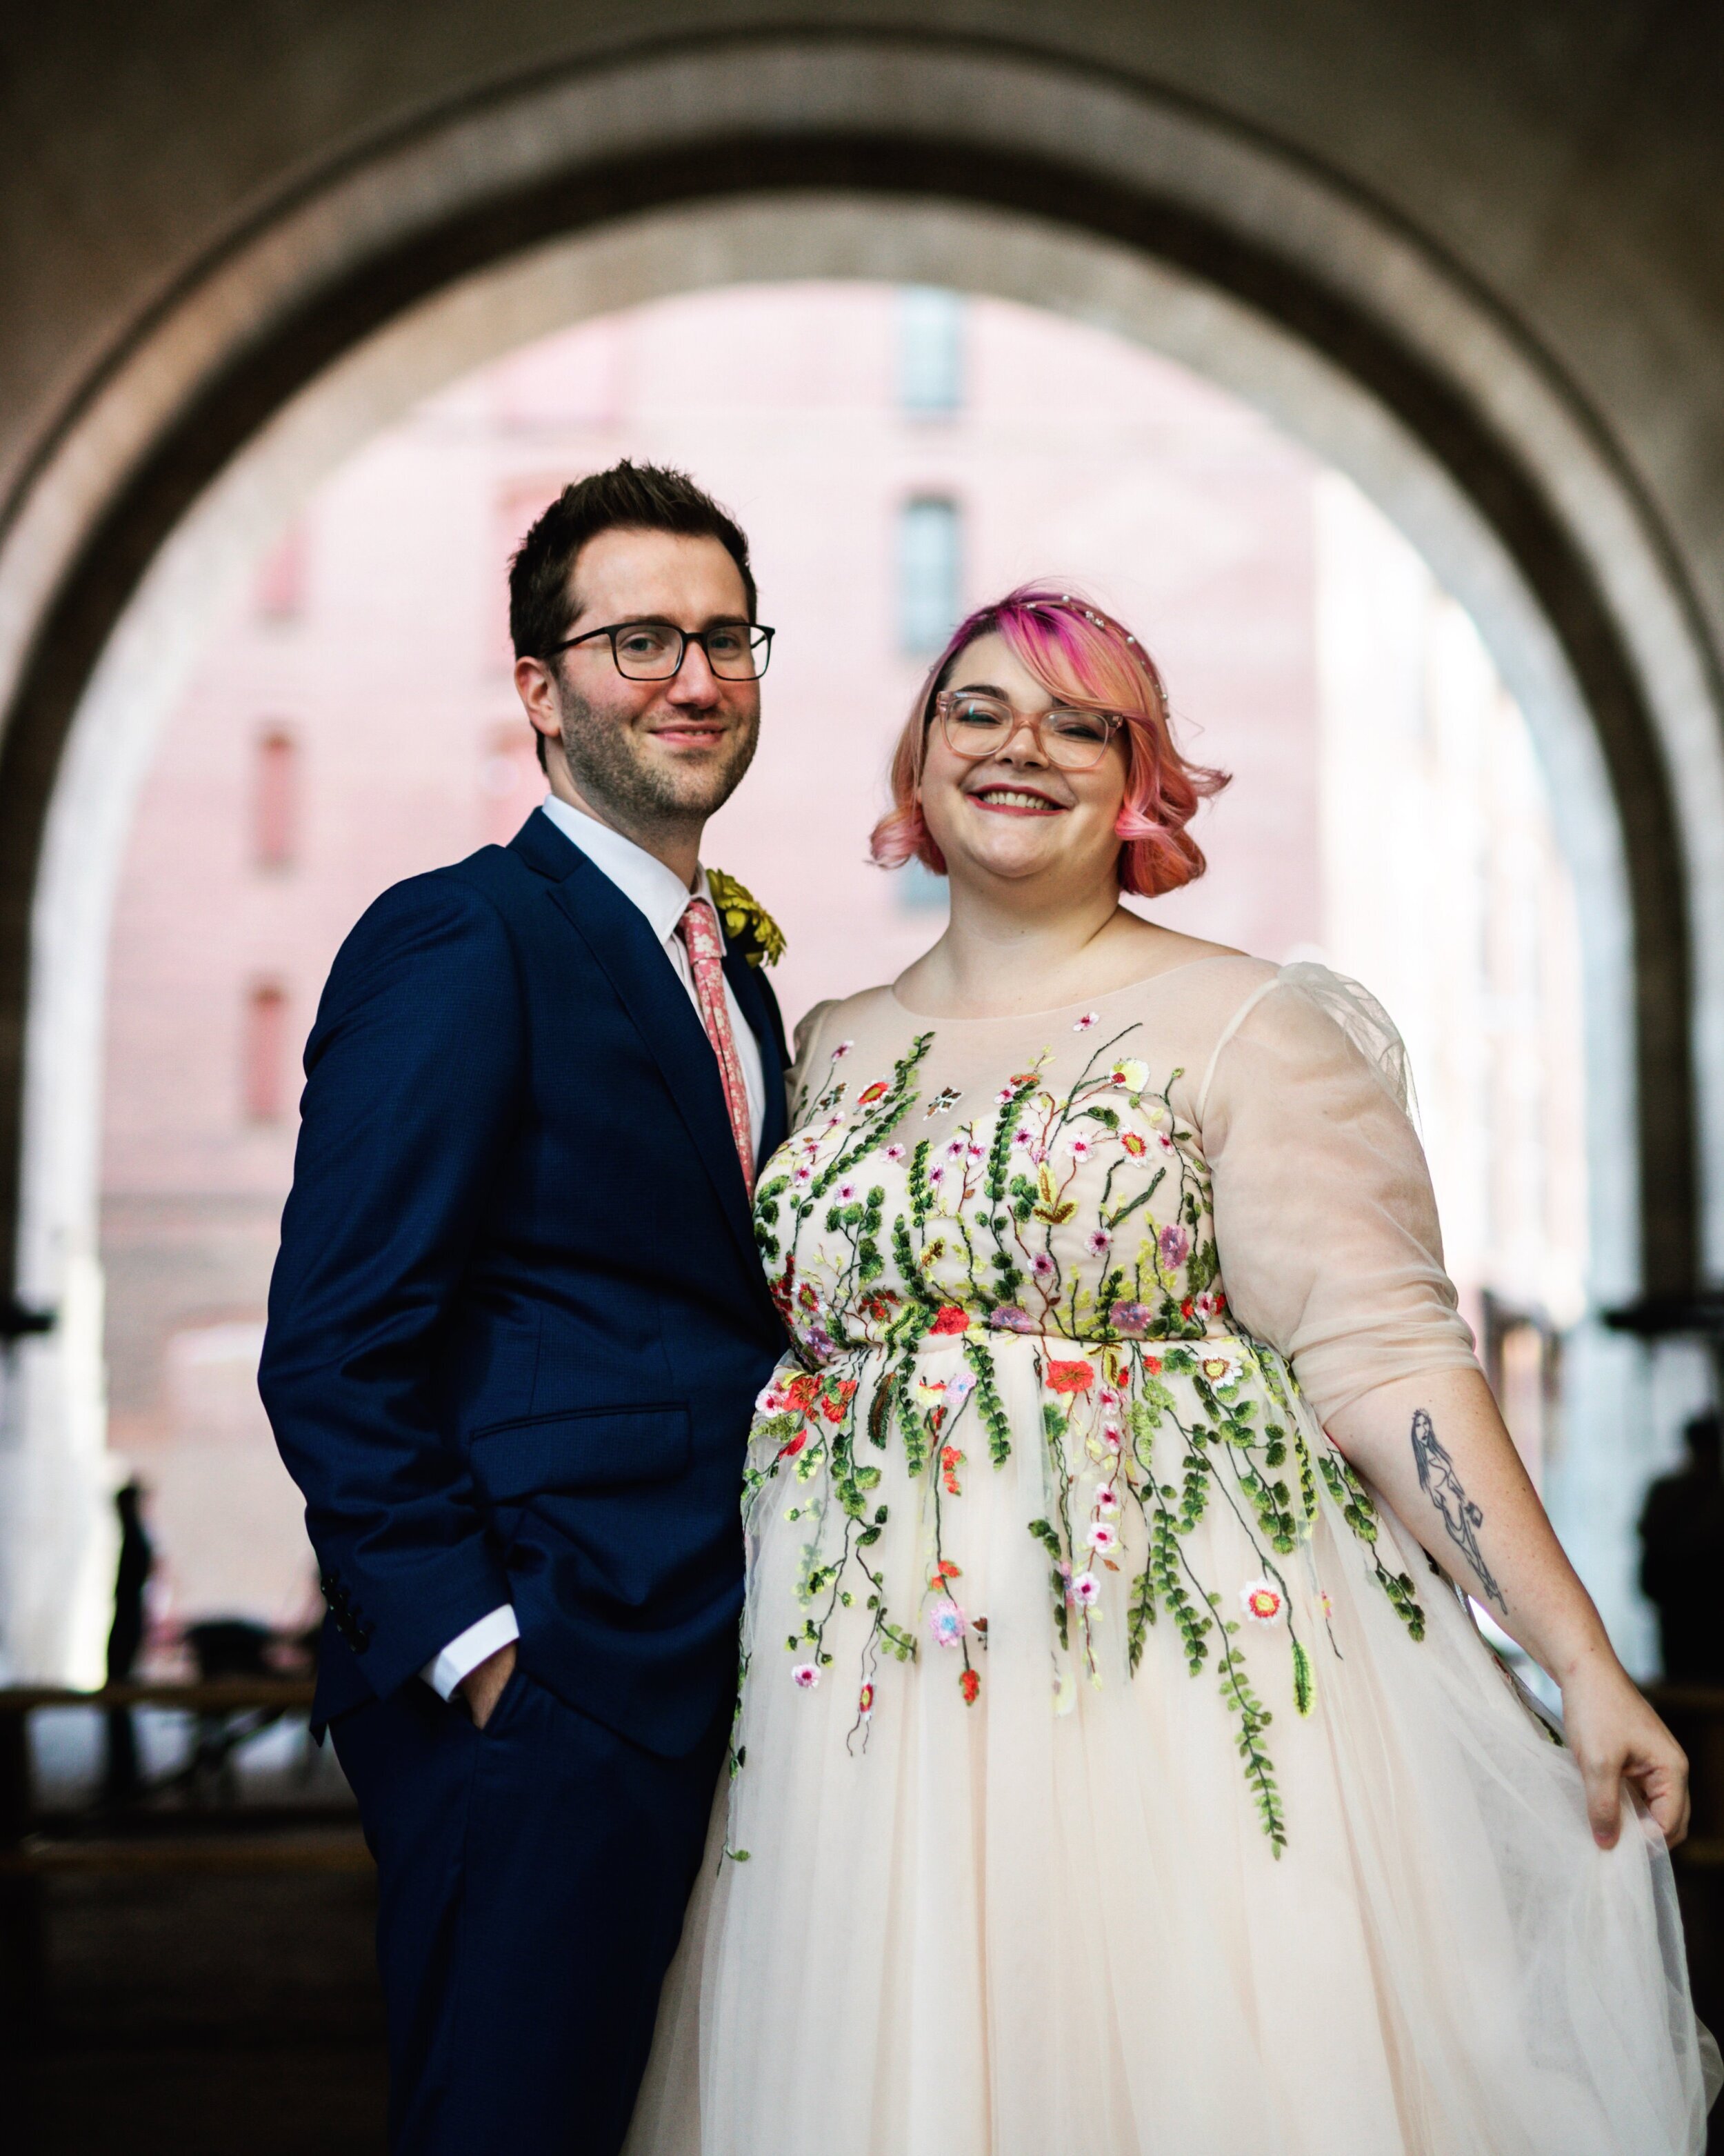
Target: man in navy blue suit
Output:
[{"x": 516, "y": 1329}]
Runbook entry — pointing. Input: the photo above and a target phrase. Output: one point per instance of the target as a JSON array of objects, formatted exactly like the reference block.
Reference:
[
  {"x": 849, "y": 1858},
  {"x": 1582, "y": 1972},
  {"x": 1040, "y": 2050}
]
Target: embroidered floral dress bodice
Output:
[
  {"x": 1113, "y": 1772},
  {"x": 1039, "y": 1197}
]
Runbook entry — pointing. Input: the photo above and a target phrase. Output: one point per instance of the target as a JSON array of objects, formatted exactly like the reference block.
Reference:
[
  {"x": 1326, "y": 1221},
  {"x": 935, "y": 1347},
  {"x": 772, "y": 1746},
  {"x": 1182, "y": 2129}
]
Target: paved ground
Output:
[{"x": 204, "y": 2016}]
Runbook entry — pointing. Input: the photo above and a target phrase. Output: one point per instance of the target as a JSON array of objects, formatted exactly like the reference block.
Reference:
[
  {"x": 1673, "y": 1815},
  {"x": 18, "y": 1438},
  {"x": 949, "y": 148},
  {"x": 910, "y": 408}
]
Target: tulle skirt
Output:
[{"x": 1050, "y": 1920}]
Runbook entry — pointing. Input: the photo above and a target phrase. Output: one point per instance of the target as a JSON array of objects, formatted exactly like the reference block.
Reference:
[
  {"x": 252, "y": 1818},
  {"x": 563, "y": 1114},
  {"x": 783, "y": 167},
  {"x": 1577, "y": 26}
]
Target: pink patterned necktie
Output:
[{"x": 699, "y": 931}]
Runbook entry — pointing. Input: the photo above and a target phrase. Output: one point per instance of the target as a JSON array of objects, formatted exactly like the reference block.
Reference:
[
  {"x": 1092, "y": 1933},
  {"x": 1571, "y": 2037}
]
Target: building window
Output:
[
  {"x": 930, "y": 550},
  {"x": 930, "y": 351},
  {"x": 281, "y": 592},
  {"x": 275, "y": 801},
  {"x": 264, "y": 1073}
]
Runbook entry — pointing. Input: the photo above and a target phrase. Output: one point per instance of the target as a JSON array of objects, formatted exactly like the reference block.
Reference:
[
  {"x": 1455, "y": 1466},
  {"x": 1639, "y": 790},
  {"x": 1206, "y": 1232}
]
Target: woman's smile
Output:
[{"x": 1017, "y": 801}]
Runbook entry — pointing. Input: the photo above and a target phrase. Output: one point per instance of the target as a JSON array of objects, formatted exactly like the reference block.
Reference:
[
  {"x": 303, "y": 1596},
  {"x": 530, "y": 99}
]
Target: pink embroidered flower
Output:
[
  {"x": 1009, "y": 1318},
  {"x": 1164, "y": 1142},
  {"x": 1079, "y": 1148},
  {"x": 974, "y": 1152},
  {"x": 958, "y": 1388},
  {"x": 1098, "y": 1242},
  {"x": 1107, "y": 1500},
  {"x": 1132, "y": 1318},
  {"x": 803, "y": 1175},
  {"x": 1328, "y": 1606},
  {"x": 954, "y": 1148},
  {"x": 1110, "y": 1437},
  {"x": 1042, "y": 1265},
  {"x": 936, "y": 1175},
  {"x": 1107, "y": 1397},
  {"x": 946, "y": 1621},
  {"x": 1088, "y": 1020},
  {"x": 1023, "y": 1140},
  {"x": 846, "y": 1192},
  {"x": 894, "y": 1152},
  {"x": 1005, "y": 1096},
  {"x": 1103, "y": 1537},
  {"x": 1175, "y": 1246},
  {"x": 805, "y": 1676},
  {"x": 1085, "y": 1590},
  {"x": 1263, "y": 1602},
  {"x": 841, "y": 1050},
  {"x": 770, "y": 1400}
]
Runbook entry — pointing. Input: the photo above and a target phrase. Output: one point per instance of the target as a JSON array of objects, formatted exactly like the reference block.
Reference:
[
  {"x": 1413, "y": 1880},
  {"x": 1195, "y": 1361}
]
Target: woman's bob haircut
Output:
[{"x": 1085, "y": 659}]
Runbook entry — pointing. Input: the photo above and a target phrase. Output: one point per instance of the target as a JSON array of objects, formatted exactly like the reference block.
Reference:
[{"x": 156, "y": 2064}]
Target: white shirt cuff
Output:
[{"x": 464, "y": 1654}]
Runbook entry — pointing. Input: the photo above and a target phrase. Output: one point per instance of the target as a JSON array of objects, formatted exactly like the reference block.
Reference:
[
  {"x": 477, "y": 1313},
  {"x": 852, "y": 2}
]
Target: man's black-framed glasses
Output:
[{"x": 654, "y": 650}]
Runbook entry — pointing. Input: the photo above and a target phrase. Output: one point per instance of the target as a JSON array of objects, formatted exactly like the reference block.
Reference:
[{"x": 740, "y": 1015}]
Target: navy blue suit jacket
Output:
[{"x": 518, "y": 1323}]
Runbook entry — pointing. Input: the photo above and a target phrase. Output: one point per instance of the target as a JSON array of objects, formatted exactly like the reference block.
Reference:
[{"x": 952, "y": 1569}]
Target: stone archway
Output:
[{"x": 962, "y": 163}]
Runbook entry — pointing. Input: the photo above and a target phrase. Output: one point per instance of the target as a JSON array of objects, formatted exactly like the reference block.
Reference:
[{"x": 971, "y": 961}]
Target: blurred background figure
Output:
[
  {"x": 137, "y": 1560},
  {"x": 1682, "y": 1557}
]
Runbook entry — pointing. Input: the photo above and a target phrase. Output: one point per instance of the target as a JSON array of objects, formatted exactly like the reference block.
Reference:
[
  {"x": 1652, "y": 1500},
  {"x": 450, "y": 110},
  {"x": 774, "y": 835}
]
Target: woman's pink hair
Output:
[{"x": 1083, "y": 657}]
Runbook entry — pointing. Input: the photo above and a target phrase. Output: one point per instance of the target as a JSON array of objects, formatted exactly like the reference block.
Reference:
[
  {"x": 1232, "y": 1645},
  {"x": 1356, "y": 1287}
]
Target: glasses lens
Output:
[
  {"x": 738, "y": 653},
  {"x": 1076, "y": 739},
  {"x": 976, "y": 725},
  {"x": 647, "y": 651}
]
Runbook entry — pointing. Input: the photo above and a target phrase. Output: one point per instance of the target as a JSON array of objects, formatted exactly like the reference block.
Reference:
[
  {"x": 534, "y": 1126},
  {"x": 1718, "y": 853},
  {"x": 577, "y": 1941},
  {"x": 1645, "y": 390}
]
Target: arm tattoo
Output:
[{"x": 1461, "y": 1516}]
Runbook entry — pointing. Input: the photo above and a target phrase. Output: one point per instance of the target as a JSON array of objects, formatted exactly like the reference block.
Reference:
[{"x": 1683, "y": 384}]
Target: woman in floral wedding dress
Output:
[{"x": 1117, "y": 1766}]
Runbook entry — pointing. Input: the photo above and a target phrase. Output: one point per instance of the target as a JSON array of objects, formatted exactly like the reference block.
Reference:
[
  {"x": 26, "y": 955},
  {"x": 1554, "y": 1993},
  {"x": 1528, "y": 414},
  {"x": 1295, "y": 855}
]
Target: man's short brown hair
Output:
[{"x": 628, "y": 497}]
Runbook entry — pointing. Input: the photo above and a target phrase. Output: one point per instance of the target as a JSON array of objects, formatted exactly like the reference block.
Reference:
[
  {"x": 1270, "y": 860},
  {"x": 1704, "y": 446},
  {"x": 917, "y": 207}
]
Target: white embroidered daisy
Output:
[{"x": 1263, "y": 1602}]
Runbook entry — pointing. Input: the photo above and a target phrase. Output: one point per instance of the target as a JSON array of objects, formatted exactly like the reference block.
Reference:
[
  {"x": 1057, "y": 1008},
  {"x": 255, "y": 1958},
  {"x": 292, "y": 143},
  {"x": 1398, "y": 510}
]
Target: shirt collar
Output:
[{"x": 642, "y": 877}]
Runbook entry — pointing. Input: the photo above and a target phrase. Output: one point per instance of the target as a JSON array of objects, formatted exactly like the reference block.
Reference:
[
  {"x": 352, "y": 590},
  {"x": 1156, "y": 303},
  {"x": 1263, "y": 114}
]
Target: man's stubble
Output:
[{"x": 607, "y": 769}]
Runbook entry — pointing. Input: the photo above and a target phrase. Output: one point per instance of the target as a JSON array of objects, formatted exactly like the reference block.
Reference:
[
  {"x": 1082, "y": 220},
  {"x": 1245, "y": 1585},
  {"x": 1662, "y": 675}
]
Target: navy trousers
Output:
[{"x": 532, "y": 1879}]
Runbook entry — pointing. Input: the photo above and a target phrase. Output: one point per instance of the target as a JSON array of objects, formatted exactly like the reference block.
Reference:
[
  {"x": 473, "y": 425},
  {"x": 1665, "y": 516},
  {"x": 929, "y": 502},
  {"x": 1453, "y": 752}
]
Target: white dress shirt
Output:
[{"x": 658, "y": 892}]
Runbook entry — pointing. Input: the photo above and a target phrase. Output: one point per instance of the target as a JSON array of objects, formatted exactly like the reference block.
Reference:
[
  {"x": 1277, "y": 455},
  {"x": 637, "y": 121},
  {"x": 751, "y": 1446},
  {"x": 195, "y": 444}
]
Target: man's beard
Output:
[{"x": 605, "y": 762}]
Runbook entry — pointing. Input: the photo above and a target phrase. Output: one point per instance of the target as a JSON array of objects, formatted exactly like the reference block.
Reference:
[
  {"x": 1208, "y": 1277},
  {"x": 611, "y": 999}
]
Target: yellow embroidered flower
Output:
[{"x": 747, "y": 921}]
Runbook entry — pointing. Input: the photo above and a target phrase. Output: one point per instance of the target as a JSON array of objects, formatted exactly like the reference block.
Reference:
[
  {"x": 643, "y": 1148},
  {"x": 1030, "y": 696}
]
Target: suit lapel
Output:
[{"x": 623, "y": 947}]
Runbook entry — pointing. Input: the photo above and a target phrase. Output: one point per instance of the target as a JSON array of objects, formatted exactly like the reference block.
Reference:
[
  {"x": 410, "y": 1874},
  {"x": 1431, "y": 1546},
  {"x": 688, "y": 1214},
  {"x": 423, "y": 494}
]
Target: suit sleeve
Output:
[{"x": 414, "y": 1073}]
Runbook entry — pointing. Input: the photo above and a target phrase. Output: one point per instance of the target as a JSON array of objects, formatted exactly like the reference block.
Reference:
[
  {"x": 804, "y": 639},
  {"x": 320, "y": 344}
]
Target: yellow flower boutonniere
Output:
[{"x": 746, "y": 922}]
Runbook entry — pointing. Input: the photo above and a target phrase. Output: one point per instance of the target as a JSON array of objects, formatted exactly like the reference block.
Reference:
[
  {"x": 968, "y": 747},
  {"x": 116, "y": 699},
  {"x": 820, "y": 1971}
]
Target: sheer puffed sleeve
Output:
[{"x": 1324, "y": 1221}]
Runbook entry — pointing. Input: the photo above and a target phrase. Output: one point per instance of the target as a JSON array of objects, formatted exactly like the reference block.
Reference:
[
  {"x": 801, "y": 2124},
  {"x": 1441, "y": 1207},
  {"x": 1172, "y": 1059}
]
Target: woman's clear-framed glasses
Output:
[
  {"x": 654, "y": 650},
  {"x": 976, "y": 726}
]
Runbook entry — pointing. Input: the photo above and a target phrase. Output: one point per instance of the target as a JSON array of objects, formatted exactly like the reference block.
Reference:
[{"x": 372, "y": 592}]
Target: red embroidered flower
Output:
[
  {"x": 870, "y": 1094},
  {"x": 951, "y": 1460},
  {"x": 951, "y": 1317},
  {"x": 945, "y": 1570},
  {"x": 1070, "y": 1376},
  {"x": 800, "y": 1390},
  {"x": 1186, "y": 1307},
  {"x": 792, "y": 1446},
  {"x": 865, "y": 1706},
  {"x": 969, "y": 1684}
]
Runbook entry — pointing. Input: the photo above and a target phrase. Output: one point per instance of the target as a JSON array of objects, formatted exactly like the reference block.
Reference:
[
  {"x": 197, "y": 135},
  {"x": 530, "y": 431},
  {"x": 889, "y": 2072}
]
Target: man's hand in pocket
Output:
[{"x": 483, "y": 1688}]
